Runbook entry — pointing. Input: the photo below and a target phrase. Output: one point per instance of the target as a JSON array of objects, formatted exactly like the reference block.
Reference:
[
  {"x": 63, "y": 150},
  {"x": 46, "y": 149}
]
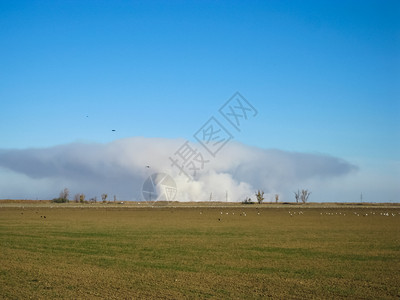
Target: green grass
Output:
[{"x": 179, "y": 253}]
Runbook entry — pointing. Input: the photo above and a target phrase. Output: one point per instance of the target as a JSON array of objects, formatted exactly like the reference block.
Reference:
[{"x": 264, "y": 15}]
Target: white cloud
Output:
[{"x": 120, "y": 168}]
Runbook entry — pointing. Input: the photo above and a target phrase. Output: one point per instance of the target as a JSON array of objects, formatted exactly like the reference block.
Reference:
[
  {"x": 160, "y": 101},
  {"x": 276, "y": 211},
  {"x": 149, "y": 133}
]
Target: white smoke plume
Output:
[{"x": 121, "y": 167}]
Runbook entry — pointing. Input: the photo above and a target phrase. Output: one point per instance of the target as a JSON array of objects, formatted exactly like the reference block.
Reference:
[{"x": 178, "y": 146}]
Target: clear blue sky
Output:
[{"x": 324, "y": 75}]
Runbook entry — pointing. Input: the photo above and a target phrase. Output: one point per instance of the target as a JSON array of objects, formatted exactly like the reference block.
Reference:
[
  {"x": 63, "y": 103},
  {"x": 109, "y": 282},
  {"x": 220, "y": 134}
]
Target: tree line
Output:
[
  {"x": 302, "y": 196},
  {"x": 79, "y": 197}
]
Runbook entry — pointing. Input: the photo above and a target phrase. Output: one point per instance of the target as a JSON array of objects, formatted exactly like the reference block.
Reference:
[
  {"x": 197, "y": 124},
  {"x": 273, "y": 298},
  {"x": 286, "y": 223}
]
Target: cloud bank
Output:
[{"x": 120, "y": 168}]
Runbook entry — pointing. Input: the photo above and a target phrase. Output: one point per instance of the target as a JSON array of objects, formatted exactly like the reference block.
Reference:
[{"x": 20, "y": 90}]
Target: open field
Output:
[{"x": 290, "y": 252}]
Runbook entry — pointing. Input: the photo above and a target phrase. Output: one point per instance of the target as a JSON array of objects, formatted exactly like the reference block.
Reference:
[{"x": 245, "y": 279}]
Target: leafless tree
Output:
[
  {"x": 64, "y": 194},
  {"x": 77, "y": 197},
  {"x": 276, "y": 198},
  {"x": 297, "y": 196},
  {"x": 104, "y": 197},
  {"x": 260, "y": 196},
  {"x": 304, "y": 195}
]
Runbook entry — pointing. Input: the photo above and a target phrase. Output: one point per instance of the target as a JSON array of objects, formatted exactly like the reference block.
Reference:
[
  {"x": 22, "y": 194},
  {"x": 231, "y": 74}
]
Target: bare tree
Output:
[
  {"x": 77, "y": 197},
  {"x": 64, "y": 194},
  {"x": 260, "y": 196},
  {"x": 297, "y": 196},
  {"x": 82, "y": 198},
  {"x": 276, "y": 198},
  {"x": 304, "y": 195},
  {"x": 104, "y": 197}
]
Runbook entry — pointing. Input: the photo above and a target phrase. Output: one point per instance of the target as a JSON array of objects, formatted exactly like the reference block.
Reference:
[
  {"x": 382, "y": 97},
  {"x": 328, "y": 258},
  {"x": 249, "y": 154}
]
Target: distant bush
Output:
[
  {"x": 247, "y": 201},
  {"x": 64, "y": 194},
  {"x": 63, "y": 198},
  {"x": 60, "y": 200}
]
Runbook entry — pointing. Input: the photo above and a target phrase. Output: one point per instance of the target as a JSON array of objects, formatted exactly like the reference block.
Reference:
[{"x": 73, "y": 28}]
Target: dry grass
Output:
[{"x": 170, "y": 253}]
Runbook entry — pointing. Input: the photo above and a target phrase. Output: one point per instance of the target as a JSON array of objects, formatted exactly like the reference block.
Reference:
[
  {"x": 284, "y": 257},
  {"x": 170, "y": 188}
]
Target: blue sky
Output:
[{"x": 323, "y": 75}]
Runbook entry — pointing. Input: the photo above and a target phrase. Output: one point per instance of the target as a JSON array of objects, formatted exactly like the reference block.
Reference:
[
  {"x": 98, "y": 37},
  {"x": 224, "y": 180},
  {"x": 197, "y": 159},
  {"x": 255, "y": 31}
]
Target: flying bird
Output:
[{"x": 113, "y": 130}]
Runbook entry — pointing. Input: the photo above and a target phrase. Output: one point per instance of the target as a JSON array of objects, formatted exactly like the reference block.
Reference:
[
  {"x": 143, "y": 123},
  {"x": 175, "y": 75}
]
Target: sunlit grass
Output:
[{"x": 180, "y": 253}]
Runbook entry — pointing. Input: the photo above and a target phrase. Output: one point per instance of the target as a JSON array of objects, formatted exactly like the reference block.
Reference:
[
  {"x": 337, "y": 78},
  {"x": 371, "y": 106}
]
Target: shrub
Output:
[
  {"x": 60, "y": 200},
  {"x": 247, "y": 201}
]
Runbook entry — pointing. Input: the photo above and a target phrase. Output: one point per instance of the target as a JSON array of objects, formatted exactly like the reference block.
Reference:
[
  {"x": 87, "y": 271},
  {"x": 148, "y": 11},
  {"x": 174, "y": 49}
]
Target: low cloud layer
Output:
[{"x": 120, "y": 168}]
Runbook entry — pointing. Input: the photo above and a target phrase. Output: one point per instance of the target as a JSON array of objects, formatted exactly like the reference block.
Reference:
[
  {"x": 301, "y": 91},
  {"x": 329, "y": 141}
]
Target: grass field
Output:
[{"x": 247, "y": 252}]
